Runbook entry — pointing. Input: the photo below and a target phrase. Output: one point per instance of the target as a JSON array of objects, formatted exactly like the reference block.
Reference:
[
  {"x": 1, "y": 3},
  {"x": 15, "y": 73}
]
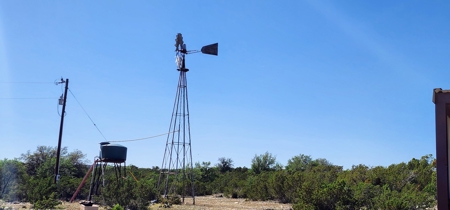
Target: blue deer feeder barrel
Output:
[{"x": 113, "y": 153}]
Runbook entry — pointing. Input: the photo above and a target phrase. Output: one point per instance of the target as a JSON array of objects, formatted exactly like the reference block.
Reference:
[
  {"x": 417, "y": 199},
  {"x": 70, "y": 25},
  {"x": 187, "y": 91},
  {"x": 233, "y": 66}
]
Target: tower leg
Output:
[{"x": 176, "y": 173}]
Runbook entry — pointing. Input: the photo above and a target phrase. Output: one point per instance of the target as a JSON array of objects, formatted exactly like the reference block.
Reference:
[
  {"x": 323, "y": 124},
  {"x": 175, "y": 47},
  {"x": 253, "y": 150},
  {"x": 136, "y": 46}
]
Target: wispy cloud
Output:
[{"x": 372, "y": 41}]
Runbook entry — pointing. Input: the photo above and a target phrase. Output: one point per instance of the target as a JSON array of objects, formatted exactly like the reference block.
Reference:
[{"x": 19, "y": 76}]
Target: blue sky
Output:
[{"x": 349, "y": 81}]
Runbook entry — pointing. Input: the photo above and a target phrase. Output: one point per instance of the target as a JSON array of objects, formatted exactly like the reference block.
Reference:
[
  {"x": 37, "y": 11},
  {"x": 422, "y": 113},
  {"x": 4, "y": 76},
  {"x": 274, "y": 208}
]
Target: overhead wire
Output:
[
  {"x": 84, "y": 110},
  {"x": 150, "y": 137},
  {"x": 25, "y": 82},
  {"x": 29, "y": 98},
  {"x": 128, "y": 140},
  {"x": 87, "y": 114},
  {"x": 26, "y": 98}
]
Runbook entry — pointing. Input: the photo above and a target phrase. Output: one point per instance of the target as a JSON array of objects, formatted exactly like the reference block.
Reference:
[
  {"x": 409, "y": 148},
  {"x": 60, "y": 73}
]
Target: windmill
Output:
[{"x": 176, "y": 173}]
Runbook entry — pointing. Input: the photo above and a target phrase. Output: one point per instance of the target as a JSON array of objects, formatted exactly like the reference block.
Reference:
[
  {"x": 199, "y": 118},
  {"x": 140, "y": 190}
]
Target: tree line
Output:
[{"x": 305, "y": 182}]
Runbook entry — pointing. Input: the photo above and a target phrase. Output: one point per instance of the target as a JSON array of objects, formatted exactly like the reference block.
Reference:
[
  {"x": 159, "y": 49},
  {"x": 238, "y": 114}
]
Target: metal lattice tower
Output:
[
  {"x": 176, "y": 174},
  {"x": 176, "y": 167}
]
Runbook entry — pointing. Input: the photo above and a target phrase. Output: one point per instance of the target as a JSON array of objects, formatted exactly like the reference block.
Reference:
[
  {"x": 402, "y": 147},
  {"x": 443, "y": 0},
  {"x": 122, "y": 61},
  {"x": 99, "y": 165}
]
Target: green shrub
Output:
[
  {"x": 117, "y": 207},
  {"x": 47, "y": 203}
]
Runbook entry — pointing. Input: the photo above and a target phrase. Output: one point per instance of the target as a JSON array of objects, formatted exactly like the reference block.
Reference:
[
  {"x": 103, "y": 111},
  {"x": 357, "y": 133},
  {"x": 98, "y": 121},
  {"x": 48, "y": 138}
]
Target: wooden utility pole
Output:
[{"x": 58, "y": 152}]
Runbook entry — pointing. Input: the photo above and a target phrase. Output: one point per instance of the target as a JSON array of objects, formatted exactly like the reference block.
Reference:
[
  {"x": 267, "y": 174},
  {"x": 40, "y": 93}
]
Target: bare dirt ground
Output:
[
  {"x": 15, "y": 205},
  {"x": 216, "y": 203},
  {"x": 24, "y": 206},
  {"x": 201, "y": 202}
]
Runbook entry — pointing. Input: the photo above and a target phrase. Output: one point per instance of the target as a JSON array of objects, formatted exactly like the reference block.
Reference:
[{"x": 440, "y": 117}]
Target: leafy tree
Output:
[
  {"x": 42, "y": 156},
  {"x": 204, "y": 175},
  {"x": 233, "y": 184},
  {"x": 116, "y": 191},
  {"x": 257, "y": 187},
  {"x": 299, "y": 163},
  {"x": 422, "y": 171},
  {"x": 335, "y": 195},
  {"x": 37, "y": 183},
  {"x": 322, "y": 161},
  {"x": 278, "y": 166},
  {"x": 39, "y": 188},
  {"x": 74, "y": 164},
  {"x": 292, "y": 185},
  {"x": 280, "y": 186},
  {"x": 377, "y": 176},
  {"x": 42, "y": 162},
  {"x": 431, "y": 188},
  {"x": 321, "y": 189},
  {"x": 358, "y": 174},
  {"x": 207, "y": 172},
  {"x": 225, "y": 164},
  {"x": 10, "y": 172},
  {"x": 133, "y": 191},
  {"x": 390, "y": 199},
  {"x": 363, "y": 194},
  {"x": 264, "y": 162},
  {"x": 398, "y": 176},
  {"x": 306, "y": 183}
]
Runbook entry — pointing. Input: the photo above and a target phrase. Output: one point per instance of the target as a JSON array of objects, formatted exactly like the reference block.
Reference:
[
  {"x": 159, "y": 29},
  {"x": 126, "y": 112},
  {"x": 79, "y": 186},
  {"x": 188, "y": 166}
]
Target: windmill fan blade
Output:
[{"x": 212, "y": 49}]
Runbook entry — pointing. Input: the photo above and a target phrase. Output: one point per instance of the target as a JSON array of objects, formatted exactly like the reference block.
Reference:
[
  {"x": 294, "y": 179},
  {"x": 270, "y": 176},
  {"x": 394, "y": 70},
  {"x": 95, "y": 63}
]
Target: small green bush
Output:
[
  {"x": 47, "y": 203},
  {"x": 117, "y": 207}
]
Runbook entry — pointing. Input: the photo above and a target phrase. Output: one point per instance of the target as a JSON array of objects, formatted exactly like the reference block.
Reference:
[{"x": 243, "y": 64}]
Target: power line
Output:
[
  {"x": 25, "y": 82},
  {"x": 139, "y": 139},
  {"x": 87, "y": 114},
  {"x": 144, "y": 138},
  {"x": 31, "y": 98}
]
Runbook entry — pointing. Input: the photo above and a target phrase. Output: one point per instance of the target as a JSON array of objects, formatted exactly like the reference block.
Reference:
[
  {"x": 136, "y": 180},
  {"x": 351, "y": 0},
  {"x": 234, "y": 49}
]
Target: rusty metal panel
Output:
[{"x": 441, "y": 100}]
